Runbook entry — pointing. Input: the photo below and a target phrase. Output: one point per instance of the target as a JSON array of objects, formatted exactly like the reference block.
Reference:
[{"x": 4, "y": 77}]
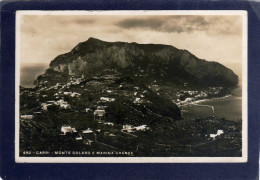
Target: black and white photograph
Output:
[{"x": 131, "y": 86}]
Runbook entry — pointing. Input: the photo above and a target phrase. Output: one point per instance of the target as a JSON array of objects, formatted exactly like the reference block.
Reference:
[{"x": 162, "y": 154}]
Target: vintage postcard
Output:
[{"x": 131, "y": 86}]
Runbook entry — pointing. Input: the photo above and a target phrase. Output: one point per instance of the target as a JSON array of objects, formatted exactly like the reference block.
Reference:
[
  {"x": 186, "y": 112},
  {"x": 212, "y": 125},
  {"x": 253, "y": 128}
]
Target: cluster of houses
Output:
[
  {"x": 75, "y": 81},
  {"x": 131, "y": 128},
  {"x": 139, "y": 95},
  {"x": 61, "y": 103},
  {"x": 65, "y": 129},
  {"x": 195, "y": 95},
  {"x": 72, "y": 94},
  {"x": 88, "y": 133}
]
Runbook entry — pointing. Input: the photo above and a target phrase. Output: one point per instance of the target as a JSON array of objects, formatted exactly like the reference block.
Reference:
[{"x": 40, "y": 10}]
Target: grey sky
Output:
[{"x": 211, "y": 37}]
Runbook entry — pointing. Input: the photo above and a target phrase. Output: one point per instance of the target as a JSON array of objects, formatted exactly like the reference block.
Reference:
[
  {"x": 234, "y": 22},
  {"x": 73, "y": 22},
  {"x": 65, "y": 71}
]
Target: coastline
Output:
[{"x": 204, "y": 100}]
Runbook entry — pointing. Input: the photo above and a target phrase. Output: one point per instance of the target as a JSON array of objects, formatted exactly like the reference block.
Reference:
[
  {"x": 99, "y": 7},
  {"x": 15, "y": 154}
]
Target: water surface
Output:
[{"x": 29, "y": 73}]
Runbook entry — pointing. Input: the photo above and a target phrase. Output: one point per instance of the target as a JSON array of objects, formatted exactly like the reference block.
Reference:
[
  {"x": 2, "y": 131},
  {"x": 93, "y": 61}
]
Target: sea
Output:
[
  {"x": 30, "y": 72},
  {"x": 228, "y": 107}
]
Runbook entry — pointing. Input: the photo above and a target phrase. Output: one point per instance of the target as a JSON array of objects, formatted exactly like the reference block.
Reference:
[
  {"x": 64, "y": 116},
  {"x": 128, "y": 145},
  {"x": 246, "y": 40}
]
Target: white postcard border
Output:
[{"x": 242, "y": 159}]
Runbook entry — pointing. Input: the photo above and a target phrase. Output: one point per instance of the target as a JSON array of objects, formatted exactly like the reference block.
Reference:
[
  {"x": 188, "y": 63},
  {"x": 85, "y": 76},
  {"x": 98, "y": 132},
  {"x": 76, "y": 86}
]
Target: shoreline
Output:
[{"x": 203, "y": 100}]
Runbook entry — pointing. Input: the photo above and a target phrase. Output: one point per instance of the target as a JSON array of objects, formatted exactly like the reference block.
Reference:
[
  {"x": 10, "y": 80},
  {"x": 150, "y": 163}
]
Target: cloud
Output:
[
  {"x": 149, "y": 23},
  {"x": 184, "y": 24},
  {"x": 210, "y": 37},
  {"x": 166, "y": 23}
]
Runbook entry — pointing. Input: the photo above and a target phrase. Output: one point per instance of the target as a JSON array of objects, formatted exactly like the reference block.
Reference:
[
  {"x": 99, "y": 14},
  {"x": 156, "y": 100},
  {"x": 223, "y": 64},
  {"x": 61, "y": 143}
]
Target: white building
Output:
[
  {"x": 87, "y": 131},
  {"x": 65, "y": 106},
  {"x": 99, "y": 113},
  {"x": 107, "y": 99},
  {"x": 74, "y": 130},
  {"x": 128, "y": 128},
  {"x": 66, "y": 129},
  {"x": 75, "y": 94},
  {"x": 219, "y": 132},
  {"x": 142, "y": 128},
  {"x": 109, "y": 123},
  {"x": 45, "y": 106},
  {"x": 79, "y": 138},
  {"x": 66, "y": 93},
  {"x": 26, "y": 116},
  {"x": 137, "y": 100}
]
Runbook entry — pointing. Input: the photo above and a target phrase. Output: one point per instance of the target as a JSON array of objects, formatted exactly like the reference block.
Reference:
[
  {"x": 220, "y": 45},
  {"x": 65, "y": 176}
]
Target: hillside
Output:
[{"x": 126, "y": 99}]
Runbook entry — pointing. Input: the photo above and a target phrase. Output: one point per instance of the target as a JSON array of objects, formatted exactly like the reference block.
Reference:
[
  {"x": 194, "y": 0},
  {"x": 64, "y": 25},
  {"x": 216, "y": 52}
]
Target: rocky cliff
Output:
[{"x": 151, "y": 60}]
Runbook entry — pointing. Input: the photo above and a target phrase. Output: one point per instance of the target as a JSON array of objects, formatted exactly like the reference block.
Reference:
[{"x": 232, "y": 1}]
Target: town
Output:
[{"x": 109, "y": 112}]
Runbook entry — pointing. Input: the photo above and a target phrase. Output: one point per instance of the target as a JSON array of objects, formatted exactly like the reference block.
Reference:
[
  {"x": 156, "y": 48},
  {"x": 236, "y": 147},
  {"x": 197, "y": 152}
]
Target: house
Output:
[
  {"x": 65, "y": 106},
  {"x": 61, "y": 101},
  {"x": 109, "y": 123},
  {"x": 107, "y": 99},
  {"x": 66, "y": 129},
  {"x": 79, "y": 138},
  {"x": 75, "y": 94},
  {"x": 219, "y": 132},
  {"x": 26, "y": 116},
  {"x": 74, "y": 130},
  {"x": 87, "y": 131},
  {"x": 98, "y": 130},
  {"x": 99, "y": 113},
  {"x": 51, "y": 102},
  {"x": 66, "y": 93},
  {"x": 128, "y": 128},
  {"x": 45, "y": 106},
  {"x": 142, "y": 128},
  {"x": 213, "y": 136},
  {"x": 137, "y": 100}
]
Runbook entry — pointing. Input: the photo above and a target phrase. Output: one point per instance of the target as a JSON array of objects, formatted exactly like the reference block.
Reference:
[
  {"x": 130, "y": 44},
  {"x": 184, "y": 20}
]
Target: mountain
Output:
[
  {"x": 150, "y": 61},
  {"x": 127, "y": 97}
]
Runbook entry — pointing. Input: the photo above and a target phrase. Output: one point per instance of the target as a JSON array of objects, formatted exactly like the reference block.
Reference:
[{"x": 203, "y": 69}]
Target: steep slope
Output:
[{"x": 151, "y": 60}]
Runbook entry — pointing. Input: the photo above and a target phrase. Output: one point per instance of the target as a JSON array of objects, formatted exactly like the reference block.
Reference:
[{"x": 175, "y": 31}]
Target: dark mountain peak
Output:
[
  {"x": 154, "y": 61},
  {"x": 94, "y": 40}
]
